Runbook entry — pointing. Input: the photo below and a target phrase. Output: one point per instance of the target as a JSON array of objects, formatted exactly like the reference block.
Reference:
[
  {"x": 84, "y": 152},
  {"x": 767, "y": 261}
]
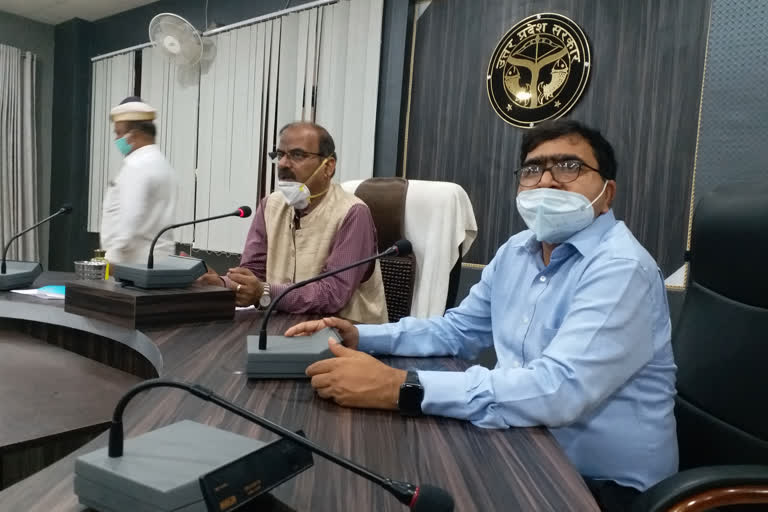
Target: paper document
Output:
[{"x": 46, "y": 292}]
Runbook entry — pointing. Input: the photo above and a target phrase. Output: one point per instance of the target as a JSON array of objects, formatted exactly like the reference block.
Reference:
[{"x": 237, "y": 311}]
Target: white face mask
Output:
[
  {"x": 297, "y": 194},
  {"x": 555, "y": 215}
]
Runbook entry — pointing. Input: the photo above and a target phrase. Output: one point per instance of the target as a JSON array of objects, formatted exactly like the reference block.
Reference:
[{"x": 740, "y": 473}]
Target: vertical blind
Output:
[
  {"x": 348, "y": 81},
  {"x": 174, "y": 95},
  {"x": 18, "y": 152},
  {"x": 235, "y": 94},
  {"x": 320, "y": 64},
  {"x": 112, "y": 81}
]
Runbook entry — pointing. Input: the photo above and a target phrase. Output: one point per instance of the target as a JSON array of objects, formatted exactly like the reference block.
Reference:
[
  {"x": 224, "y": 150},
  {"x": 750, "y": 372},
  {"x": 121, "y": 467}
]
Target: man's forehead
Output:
[
  {"x": 572, "y": 144},
  {"x": 299, "y": 136}
]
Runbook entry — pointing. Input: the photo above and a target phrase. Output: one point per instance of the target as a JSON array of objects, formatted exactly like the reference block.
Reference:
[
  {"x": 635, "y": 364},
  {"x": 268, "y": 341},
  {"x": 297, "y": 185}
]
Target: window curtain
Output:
[
  {"x": 348, "y": 82},
  {"x": 18, "y": 151},
  {"x": 173, "y": 92},
  {"x": 238, "y": 91},
  {"x": 320, "y": 65},
  {"x": 112, "y": 80}
]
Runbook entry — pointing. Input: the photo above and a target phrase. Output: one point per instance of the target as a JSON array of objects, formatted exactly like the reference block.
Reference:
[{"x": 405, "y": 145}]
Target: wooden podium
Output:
[{"x": 137, "y": 308}]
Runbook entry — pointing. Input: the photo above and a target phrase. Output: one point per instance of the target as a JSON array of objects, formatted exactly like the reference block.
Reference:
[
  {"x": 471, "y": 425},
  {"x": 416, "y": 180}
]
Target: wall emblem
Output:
[{"x": 539, "y": 70}]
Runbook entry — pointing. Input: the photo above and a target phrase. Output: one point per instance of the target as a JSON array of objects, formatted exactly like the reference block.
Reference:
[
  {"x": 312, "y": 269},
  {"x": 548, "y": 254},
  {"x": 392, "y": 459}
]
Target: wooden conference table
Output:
[{"x": 484, "y": 470}]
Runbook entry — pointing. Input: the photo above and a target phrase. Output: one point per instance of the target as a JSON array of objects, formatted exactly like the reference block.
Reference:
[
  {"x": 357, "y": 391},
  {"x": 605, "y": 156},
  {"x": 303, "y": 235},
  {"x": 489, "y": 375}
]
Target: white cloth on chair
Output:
[{"x": 438, "y": 220}]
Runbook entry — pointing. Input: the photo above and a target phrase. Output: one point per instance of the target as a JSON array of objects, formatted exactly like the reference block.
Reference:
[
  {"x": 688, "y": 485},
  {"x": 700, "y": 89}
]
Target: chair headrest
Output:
[
  {"x": 385, "y": 198},
  {"x": 729, "y": 241}
]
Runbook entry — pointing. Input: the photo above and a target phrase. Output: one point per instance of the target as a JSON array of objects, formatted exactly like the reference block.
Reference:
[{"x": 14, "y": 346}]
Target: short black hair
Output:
[
  {"x": 146, "y": 127},
  {"x": 325, "y": 144},
  {"x": 550, "y": 130},
  {"x": 131, "y": 99}
]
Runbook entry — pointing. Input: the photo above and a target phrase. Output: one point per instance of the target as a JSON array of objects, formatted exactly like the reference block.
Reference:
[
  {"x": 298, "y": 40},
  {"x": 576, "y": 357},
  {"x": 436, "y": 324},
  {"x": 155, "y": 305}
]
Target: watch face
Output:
[
  {"x": 411, "y": 396},
  {"x": 265, "y": 301}
]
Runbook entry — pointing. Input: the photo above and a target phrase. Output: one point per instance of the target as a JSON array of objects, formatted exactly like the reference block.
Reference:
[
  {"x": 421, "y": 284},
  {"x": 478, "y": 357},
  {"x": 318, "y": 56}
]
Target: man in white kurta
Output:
[{"x": 142, "y": 198}]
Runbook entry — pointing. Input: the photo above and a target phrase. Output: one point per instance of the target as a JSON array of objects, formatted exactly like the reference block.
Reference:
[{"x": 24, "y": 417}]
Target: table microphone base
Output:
[
  {"x": 170, "y": 272},
  {"x": 159, "y": 471},
  {"x": 288, "y": 358},
  {"x": 19, "y": 274}
]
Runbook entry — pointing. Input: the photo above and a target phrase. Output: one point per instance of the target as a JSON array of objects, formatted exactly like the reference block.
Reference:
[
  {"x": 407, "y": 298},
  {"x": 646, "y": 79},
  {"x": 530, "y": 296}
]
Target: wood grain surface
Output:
[{"x": 485, "y": 470}]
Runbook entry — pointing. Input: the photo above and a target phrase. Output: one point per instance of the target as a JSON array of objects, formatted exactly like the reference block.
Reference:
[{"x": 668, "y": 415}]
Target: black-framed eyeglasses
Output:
[
  {"x": 294, "y": 155},
  {"x": 562, "y": 172}
]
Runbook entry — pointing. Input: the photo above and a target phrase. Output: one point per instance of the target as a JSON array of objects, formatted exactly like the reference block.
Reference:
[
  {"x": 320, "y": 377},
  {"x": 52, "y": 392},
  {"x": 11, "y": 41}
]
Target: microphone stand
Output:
[
  {"x": 268, "y": 312},
  {"x": 151, "y": 257},
  {"x": 63, "y": 209},
  {"x": 405, "y": 492}
]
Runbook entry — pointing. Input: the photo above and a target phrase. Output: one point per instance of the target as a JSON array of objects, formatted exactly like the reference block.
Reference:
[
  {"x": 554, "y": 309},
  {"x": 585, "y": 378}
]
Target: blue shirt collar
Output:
[{"x": 585, "y": 241}]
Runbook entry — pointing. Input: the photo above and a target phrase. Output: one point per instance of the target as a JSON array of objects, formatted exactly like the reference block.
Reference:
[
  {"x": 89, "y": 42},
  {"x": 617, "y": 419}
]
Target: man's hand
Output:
[
  {"x": 248, "y": 288},
  {"x": 349, "y": 334},
  {"x": 355, "y": 379},
  {"x": 211, "y": 278}
]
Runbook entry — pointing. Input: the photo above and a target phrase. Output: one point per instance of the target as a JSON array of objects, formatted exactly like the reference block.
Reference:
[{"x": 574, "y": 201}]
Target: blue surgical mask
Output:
[
  {"x": 123, "y": 146},
  {"x": 555, "y": 215}
]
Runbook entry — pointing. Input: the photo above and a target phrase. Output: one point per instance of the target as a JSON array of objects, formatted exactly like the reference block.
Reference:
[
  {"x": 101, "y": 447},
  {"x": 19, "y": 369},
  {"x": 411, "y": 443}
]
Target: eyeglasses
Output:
[
  {"x": 562, "y": 172},
  {"x": 294, "y": 155}
]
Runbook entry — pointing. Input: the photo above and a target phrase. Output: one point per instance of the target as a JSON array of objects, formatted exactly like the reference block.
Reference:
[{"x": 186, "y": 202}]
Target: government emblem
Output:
[{"x": 539, "y": 70}]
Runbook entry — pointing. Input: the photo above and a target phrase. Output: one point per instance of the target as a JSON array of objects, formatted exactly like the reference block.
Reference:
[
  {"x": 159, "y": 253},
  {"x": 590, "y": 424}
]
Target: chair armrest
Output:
[{"x": 700, "y": 482}]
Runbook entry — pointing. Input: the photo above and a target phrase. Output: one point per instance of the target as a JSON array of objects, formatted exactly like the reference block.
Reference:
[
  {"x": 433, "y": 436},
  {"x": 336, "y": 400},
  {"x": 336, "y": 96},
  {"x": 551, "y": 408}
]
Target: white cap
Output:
[{"x": 132, "y": 111}]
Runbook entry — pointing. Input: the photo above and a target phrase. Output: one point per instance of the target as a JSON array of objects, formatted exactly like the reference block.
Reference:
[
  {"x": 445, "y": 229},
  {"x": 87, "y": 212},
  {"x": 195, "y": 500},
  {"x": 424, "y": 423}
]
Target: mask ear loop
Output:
[
  {"x": 598, "y": 195},
  {"x": 322, "y": 164}
]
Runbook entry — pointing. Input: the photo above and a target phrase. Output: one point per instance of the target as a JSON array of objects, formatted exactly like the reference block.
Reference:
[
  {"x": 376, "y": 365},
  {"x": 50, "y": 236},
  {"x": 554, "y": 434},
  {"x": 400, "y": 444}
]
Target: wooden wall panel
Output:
[{"x": 644, "y": 92}]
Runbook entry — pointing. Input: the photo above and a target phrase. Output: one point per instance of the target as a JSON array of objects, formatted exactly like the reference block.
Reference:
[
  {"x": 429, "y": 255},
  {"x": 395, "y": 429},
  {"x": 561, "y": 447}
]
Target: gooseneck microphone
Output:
[
  {"x": 400, "y": 248},
  {"x": 243, "y": 211},
  {"x": 65, "y": 209},
  {"x": 425, "y": 498}
]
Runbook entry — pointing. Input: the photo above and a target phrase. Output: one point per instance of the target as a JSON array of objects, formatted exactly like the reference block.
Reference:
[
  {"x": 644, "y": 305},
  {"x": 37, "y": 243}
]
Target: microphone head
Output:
[
  {"x": 403, "y": 247},
  {"x": 66, "y": 208},
  {"x": 432, "y": 499},
  {"x": 244, "y": 211}
]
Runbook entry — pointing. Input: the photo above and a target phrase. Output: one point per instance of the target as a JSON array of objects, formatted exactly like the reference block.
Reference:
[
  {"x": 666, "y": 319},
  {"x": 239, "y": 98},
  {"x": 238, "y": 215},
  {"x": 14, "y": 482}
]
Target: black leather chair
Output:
[
  {"x": 385, "y": 198},
  {"x": 721, "y": 350}
]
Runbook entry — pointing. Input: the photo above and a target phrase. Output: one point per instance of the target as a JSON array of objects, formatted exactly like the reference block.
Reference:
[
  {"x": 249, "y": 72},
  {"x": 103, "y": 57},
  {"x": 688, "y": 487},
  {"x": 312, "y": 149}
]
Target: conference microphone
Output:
[
  {"x": 288, "y": 358},
  {"x": 424, "y": 498},
  {"x": 243, "y": 211},
  {"x": 173, "y": 271},
  {"x": 400, "y": 248},
  {"x": 21, "y": 274},
  {"x": 65, "y": 209}
]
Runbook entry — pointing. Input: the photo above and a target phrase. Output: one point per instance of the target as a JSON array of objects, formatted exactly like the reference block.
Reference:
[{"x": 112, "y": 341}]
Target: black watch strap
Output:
[{"x": 411, "y": 395}]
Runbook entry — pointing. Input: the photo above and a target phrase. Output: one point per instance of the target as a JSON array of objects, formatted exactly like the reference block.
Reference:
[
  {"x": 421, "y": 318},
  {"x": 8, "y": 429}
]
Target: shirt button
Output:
[
  {"x": 543, "y": 278},
  {"x": 516, "y": 364},
  {"x": 525, "y": 319}
]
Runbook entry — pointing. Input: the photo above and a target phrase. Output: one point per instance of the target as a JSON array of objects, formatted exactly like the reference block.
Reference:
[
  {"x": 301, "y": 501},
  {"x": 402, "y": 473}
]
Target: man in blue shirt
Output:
[{"x": 577, "y": 312}]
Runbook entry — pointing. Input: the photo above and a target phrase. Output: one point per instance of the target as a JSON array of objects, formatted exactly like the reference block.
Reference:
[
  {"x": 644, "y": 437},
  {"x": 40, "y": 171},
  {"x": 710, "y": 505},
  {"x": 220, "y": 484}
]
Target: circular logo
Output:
[{"x": 538, "y": 70}]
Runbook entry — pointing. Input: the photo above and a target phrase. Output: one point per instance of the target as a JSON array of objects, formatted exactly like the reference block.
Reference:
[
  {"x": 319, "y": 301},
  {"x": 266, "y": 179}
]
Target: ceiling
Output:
[{"x": 57, "y": 11}]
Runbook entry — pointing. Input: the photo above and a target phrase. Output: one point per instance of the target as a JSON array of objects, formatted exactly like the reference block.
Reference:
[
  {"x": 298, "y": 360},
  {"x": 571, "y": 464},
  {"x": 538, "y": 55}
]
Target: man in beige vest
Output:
[{"x": 306, "y": 227}]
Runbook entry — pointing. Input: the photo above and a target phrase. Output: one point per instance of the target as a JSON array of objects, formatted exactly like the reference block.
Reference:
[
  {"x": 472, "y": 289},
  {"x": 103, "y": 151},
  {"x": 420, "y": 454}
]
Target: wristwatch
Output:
[
  {"x": 411, "y": 395},
  {"x": 266, "y": 299}
]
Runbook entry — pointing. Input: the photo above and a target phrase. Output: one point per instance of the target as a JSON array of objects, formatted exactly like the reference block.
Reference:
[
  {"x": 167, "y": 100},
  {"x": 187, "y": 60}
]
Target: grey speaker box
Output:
[
  {"x": 19, "y": 274},
  {"x": 159, "y": 471},
  {"x": 170, "y": 272},
  {"x": 288, "y": 357}
]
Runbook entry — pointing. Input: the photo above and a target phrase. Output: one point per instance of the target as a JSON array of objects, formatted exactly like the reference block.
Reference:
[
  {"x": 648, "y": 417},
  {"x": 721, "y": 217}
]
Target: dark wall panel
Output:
[
  {"x": 647, "y": 60},
  {"x": 69, "y": 169},
  {"x": 734, "y": 120}
]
